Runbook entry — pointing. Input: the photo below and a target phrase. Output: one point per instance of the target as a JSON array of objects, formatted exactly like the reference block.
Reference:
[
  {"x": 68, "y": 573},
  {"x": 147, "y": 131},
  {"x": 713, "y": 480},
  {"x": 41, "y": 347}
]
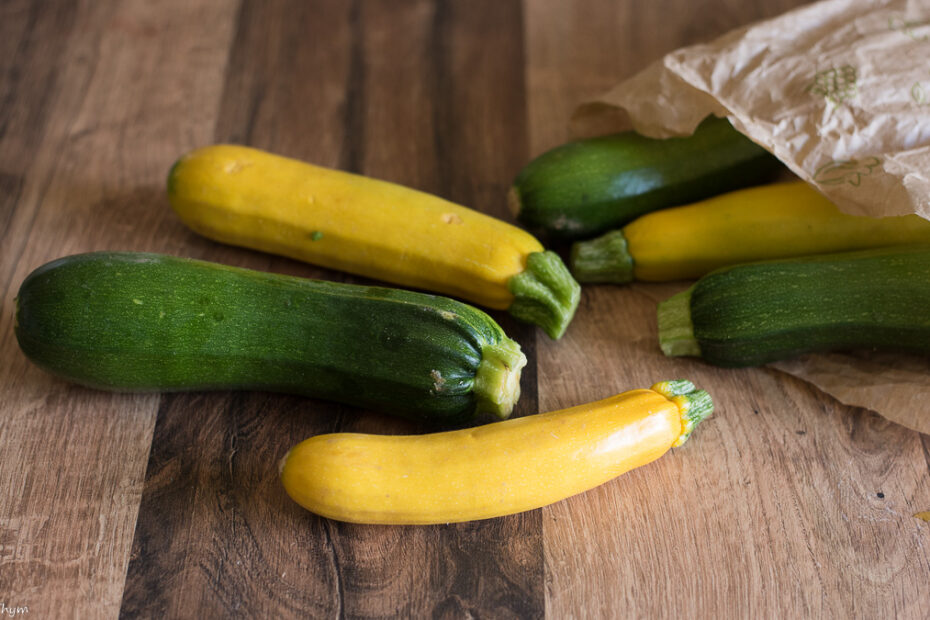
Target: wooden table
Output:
[{"x": 784, "y": 504}]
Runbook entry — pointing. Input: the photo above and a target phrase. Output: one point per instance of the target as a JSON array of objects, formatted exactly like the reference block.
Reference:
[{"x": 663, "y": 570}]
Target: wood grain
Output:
[
  {"x": 773, "y": 508},
  {"x": 784, "y": 504},
  {"x": 95, "y": 103},
  {"x": 347, "y": 68}
]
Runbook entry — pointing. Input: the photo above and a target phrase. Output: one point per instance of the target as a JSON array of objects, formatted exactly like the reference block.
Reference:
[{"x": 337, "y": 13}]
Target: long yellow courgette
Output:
[
  {"x": 493, "y": 470},
  {"x": 767, "y": 222},
  {"x": 251, "y": 198}
]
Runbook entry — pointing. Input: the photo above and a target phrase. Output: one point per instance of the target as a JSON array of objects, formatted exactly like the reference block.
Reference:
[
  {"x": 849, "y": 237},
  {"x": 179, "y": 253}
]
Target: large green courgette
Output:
[
  {"x": 754, "y": 313},
  {"x": 587, "y": 187},
  {"x": 133, "y": 321}
]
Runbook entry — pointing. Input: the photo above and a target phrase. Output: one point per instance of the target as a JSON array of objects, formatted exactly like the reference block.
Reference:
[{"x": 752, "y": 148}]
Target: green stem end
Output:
[
  {"x": 497, "y": 381},
  {"x": 676, "y": 331},
  {"x": 604, "y": 259},
  {"x": 694, "y": 405},
  {"x": 545, "y": 293}
]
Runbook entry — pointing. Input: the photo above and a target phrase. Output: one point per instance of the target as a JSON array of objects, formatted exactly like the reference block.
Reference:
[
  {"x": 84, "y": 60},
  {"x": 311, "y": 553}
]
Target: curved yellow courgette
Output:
[
  {"x": 767, "y": 222},
  {"x": 492, "y": 470},
  {"x": 247, "y": 197}
]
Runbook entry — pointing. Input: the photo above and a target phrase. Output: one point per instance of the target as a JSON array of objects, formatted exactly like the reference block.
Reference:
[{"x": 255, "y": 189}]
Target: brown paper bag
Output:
[{"x": 840, "y": 92}]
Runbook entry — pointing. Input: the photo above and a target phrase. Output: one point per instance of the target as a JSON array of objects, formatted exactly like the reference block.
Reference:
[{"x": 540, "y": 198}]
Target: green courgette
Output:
[
  {"x": 755, "y": 313},
  {"x": 134, "y": 321},
  {"x": 587, "y": 187}
]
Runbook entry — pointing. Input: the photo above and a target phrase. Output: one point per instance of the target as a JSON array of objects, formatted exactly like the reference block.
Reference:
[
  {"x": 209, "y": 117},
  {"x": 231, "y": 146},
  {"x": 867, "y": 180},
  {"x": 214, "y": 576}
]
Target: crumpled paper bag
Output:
[{"x": 840, "y": 92}]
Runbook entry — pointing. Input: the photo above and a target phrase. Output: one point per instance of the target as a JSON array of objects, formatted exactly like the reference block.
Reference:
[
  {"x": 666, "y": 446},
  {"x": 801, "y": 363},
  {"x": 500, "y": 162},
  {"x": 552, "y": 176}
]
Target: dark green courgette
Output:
[
  {"x": 133, "y": 321},
  {"x": 587, "y": 187},
  {"x": 756, "y": 313}
]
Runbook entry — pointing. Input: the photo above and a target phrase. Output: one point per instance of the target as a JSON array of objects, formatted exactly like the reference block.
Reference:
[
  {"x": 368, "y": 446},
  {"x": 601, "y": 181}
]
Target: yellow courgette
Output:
[
  {"x": 768, "y": 222},
  {"x": 251, "y": 198},
  {"x": 493, "y": 470}
]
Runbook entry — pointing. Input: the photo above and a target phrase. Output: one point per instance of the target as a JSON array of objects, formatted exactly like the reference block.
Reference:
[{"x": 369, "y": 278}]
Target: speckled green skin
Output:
[
  {"x": 756, "y": 313},
  {"x": 587, "y": 187},
  {"x": 133, "y": 321}
]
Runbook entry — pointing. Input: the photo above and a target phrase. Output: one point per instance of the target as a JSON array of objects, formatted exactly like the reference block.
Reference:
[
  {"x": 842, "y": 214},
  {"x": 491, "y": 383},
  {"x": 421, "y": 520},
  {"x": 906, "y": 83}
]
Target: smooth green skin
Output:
[
  {"x": 756, "y": 313},
  {"x": 133, "y": 321},
  {"x": 587, "y": 187}
]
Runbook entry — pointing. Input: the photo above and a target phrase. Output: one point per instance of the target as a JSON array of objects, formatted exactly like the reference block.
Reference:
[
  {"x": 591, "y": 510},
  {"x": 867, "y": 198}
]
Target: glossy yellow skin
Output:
[
  {"x": 477, "y": 473},
  {"x": 251, "y": 198},
  {"x": 767, "y": 222}
]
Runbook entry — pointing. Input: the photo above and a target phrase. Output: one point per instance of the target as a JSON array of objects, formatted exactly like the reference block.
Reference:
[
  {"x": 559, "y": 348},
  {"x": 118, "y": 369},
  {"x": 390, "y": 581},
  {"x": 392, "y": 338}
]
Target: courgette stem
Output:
[
  {"x": 676, "y": 331},
  {"x": 604, "y": 259},
  {"x": 695, "y": 405},
  {"x": 545, "y": 293},
  {"x": 497, "y": 381}
]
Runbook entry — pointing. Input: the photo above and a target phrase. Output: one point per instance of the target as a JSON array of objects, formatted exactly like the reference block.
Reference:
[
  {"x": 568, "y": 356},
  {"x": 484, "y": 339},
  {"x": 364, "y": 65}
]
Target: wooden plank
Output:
[
  {"x": 236, "y": 548},
  {"x": 95, "y": 102},
  {"x": 457, "y": 133},
  {"x": 32, "y": 43},
  {"x": 212, "y": 537},
  {"x": 410, "y": 93},
  {"x": 785, "y": 503}
]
